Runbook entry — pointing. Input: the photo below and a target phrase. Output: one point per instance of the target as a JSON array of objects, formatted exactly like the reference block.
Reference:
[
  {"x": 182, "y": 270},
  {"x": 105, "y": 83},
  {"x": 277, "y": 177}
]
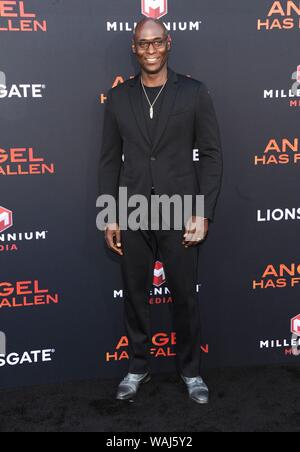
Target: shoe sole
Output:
[
  {"x": 200, "y": 402},
  {"x": 131, "y": 398}
]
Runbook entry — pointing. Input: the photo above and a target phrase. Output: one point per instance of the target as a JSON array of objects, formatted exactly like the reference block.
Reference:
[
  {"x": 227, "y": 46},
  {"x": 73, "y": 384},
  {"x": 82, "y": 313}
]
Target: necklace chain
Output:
[{"x": 152, "y": 105}]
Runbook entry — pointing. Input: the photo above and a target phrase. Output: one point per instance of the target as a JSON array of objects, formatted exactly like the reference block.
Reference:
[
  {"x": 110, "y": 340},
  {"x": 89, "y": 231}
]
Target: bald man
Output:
[{"x": 155, "y": 120}]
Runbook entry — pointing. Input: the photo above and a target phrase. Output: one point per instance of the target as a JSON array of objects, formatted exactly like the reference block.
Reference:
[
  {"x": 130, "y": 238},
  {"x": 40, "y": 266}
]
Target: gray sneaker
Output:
[
  {"x": 129, "y": 386},
  {"x": 197, "y": 389}
]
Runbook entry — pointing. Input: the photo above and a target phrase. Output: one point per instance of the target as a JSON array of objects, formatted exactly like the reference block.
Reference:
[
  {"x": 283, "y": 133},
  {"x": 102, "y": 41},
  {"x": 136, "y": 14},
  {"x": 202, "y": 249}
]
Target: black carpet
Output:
[{"x": 260, "y": 399}]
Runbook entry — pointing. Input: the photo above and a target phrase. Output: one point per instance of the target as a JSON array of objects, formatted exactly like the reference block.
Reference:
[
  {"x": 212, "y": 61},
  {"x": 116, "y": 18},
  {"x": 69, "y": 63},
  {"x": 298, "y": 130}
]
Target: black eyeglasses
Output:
[{"x": 157, "y": 44}]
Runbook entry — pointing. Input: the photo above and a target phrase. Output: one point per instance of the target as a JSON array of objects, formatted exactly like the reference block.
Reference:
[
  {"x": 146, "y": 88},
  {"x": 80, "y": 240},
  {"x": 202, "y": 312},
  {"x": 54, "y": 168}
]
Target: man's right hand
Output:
[{"x": 113, "y": 238}]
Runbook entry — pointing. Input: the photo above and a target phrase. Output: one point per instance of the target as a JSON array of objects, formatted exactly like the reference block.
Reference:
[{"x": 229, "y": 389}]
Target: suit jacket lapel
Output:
[
  {"x": 171, "y": 89},
  {"x": 167, "y": 105},
  {"x": 137, "y": 107}
]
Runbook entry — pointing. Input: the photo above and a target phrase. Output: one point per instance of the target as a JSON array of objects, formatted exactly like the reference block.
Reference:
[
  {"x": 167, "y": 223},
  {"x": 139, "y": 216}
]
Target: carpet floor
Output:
[{"x": 259, "y": 399}]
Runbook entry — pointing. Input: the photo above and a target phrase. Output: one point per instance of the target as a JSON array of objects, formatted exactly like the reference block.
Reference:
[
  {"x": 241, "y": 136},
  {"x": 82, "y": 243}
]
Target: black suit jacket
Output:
[{"x": 187, "y": 121}]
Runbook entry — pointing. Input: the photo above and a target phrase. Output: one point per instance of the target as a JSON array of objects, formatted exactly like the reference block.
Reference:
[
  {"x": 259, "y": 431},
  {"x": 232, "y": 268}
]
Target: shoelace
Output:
[
  {"x": 195, "y": 381},
  {"x": 132, "y": 382}
]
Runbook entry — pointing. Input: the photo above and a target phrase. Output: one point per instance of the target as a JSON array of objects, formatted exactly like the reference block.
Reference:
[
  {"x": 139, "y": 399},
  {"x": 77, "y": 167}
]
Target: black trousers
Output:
[{"x": 140, "y": 248}]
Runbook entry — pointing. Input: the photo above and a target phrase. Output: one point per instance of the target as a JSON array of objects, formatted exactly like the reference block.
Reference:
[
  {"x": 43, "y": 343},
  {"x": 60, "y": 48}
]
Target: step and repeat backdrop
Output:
[{"x": 61, "y": 294}]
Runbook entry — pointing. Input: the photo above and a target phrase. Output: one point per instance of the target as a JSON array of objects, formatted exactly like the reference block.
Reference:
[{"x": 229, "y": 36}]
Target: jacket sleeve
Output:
[
  {"x": 209, "y": 168},
  {"x": 111, "y": 152}
]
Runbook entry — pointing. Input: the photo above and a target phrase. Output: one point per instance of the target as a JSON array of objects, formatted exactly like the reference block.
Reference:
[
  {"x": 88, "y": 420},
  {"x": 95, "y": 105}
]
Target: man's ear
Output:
[
  {"x": 169, "y": 43},
  {"x": 133, "y": 47}
]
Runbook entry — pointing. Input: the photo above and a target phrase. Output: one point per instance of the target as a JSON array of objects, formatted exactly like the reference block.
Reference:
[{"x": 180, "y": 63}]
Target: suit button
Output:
[{"x": 153, "y": 158}]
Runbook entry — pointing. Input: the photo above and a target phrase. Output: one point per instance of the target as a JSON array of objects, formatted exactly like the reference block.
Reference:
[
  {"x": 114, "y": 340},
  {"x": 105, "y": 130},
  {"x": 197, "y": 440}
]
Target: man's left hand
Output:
[{"x": 196, "y": 231}]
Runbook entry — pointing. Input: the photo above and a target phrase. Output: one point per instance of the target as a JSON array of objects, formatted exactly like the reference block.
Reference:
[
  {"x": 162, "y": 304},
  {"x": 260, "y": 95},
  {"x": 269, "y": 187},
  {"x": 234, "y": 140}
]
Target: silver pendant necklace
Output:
[{"x": 151, "y": 111}]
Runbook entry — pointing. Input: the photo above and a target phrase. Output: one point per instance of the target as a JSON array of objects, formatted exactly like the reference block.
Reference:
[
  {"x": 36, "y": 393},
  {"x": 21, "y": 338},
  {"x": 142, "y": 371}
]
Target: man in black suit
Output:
[{"x": 155, "y": 120}]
